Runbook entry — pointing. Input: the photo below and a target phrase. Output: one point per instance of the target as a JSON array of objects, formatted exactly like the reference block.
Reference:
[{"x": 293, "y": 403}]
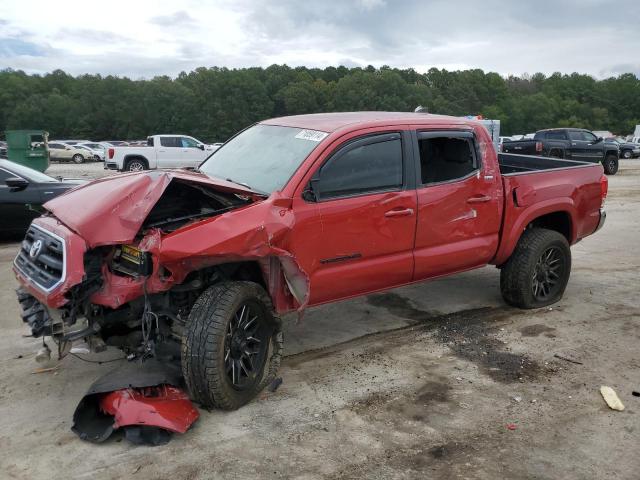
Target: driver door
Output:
[
  {"x": 356, "y": 234},
  {"x": 192, "y": 152}
]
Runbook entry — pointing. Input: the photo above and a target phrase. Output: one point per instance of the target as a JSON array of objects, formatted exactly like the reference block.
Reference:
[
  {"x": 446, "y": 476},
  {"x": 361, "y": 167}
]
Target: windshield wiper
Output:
[{"x": 248, "y": 186}]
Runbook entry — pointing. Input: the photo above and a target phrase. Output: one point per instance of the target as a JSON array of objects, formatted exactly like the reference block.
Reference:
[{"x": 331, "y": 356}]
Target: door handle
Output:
[
  {"x": 406, "y": 212},
  {"x": 479, "y": 199}
]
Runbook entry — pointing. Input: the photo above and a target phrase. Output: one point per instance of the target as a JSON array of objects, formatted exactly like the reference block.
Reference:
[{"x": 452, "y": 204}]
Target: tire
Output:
[
  {"x": 610, "y": 164},
  {"x": 210, "y": 348},
  {"x": 526, "y": 268},
  {"x": 135, "y": 165},
  {"x": 77, "y": 158},
  {"x": 556, "y": 154},
  {"x": 626, "y": 154}
]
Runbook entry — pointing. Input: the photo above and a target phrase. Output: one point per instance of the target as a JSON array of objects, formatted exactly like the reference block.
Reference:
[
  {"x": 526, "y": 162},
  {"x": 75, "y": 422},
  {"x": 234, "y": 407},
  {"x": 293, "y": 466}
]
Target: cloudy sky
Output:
[{"x": 140, "y": 38}]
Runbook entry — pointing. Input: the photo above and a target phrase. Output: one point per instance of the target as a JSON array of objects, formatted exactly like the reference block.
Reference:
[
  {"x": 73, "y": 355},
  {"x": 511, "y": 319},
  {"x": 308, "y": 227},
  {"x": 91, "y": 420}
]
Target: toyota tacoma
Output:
[{"x": 197, "y": 267}]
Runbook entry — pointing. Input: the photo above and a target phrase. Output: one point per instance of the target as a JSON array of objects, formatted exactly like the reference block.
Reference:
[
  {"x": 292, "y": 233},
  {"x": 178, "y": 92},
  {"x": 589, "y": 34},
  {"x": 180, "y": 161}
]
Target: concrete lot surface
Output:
[{"x": 419, "y": 382}]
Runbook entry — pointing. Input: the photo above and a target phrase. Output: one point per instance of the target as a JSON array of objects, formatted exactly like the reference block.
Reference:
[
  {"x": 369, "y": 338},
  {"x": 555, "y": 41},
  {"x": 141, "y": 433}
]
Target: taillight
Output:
[
  {"x": 604, "y": 187},
  {"x": 538, "y": 147},
  {"x": 111, "y": 153}
]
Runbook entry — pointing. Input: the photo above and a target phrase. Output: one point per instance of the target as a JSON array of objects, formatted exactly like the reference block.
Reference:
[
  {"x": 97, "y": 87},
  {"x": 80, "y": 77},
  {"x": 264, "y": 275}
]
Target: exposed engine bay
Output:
[{"x": 152, "y": 324}]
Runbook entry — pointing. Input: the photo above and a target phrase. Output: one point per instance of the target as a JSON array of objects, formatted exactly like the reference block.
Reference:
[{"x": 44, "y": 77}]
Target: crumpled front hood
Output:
[{"x": 112, "y": 209}]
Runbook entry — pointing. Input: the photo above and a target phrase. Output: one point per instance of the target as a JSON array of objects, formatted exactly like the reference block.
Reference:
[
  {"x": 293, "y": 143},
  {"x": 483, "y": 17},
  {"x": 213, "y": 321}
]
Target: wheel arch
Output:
[
  {"x": 554, "y": 215},
  {"x": 134, "y": 156}
]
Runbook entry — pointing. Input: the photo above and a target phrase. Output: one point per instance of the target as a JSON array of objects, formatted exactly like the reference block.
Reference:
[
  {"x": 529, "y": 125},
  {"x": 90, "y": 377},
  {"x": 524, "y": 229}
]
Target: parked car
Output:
[
  {"x": 162, "y": 151},
  {"x": 22, "y": 193},
  {"x": 117, "y": 143},
  {"x": 314, "y": 209},
  {"x": 627, "y": 150},
  {"x": 95, "y": 149},
  {"x": 3, "y": 149},
  {"x": 571, "y": 144},
  {"x": 62, "y": 152},
  {"x": 72, "y": 142}
]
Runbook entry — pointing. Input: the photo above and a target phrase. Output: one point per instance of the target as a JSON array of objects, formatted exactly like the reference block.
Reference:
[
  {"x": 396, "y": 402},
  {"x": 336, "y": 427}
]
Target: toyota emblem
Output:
[{"x": 35, "y": 248}]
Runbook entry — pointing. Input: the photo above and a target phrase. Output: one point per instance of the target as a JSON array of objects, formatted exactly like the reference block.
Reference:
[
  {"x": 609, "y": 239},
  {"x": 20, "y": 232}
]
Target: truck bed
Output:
[{"x": 514, "y": 164}]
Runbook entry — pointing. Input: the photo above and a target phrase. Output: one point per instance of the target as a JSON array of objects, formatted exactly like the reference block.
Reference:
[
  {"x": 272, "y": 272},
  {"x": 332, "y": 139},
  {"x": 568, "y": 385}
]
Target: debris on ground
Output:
[
  {"x": 511, "y": 426},
  {"x": 567, "y": 359},
  {"x": 611, "y": 398},
  {"x": 635, "y": 394},
  {"x": 144, "y": 399},
  {"x": 517, "y": 399},
  {"x": 46, "y": 370},
  {"x": 275, "y": 384}
]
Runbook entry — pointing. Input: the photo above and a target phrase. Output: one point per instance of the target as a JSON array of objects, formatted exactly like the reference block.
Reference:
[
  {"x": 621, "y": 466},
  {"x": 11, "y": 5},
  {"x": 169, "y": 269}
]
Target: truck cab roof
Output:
[{"x": 331, "y": 122}]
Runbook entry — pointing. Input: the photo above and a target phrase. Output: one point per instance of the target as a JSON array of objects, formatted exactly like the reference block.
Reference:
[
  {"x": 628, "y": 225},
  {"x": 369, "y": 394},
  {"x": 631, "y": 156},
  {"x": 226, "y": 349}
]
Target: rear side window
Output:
[
  {"x": 170, "y": 142},
  {"x": 560, "y": 135},
  {"x": 445, "y": 159},
  {"x": 368, "y": 166}
]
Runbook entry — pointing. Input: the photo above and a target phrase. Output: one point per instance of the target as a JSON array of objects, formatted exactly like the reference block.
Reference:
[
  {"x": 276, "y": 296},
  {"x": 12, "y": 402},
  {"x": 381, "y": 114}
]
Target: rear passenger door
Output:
[
  {"x": 169, "y": 152},
  {"x": 367, "y": 212},
  {"x": 459, "y": 204}
]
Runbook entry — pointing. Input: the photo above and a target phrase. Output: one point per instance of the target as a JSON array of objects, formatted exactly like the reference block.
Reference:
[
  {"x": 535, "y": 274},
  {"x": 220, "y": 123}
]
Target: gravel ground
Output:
[{"x": 419, "y": 382}]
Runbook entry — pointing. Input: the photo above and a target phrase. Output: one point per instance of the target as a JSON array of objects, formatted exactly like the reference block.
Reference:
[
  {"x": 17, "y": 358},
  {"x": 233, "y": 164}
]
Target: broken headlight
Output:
[{"x": 132, "y": 261}]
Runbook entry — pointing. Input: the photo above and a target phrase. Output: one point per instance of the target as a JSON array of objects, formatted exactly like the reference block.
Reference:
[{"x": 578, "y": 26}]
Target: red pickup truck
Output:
[{"x": 293, "y": 212}]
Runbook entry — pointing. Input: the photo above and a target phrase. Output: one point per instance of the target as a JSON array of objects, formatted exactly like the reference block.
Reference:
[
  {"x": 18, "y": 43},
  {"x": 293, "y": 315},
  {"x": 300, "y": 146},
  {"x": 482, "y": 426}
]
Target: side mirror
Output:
[
  {"x": 311, "y": 193},
  {"x": 16, "y": 183},
  {"x": 201, "y": 146},
  {"x": 599, "y": 139}
]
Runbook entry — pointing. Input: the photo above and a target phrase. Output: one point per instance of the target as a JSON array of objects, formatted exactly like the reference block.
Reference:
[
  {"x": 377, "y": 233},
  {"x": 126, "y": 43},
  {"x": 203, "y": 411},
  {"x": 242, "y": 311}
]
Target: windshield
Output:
[
  {"x": 262, "y": 157},
  {"x": 28, "y": 173}
]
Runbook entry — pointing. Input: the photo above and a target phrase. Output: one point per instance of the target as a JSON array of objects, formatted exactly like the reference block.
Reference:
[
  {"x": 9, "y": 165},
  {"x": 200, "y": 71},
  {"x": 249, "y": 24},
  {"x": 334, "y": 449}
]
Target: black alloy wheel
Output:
[
  {"x": 547, "y": 275},
  {"x": 245, "y": 346}
]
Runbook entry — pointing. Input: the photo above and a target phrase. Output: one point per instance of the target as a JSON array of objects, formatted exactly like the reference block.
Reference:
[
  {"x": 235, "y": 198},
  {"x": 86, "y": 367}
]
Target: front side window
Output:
[
  {"x": 445, "y": 159},
  {"x": 576, "y": 136},
  {"x": 188, "y": 142},
  {"x": 374, "y": 166},
  {"x": 589, "y": 137}
]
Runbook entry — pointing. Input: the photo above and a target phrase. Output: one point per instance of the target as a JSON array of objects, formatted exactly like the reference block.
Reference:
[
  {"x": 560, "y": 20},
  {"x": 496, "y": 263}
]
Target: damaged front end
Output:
[{"x": 121, "y": 261}]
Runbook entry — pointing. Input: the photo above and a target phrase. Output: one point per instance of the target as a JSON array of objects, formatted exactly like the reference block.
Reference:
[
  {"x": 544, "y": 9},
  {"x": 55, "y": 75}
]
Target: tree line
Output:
[{"x": 213, "y": 103}]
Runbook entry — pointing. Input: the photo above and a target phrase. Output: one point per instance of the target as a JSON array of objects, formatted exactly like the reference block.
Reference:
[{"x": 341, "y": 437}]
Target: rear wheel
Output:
[
  {"x": 610, "y": 164},
  {"x": 135, "y": 165},
  {"x": 537, "y": 272},
  {"x": 77, "y": 158},
  {"x": 232, "y": 345}
]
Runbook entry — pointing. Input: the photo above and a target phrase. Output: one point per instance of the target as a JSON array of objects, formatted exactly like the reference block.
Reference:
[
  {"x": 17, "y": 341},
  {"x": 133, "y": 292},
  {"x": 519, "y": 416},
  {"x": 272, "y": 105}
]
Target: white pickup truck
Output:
[{"x": 162, "y": 151}]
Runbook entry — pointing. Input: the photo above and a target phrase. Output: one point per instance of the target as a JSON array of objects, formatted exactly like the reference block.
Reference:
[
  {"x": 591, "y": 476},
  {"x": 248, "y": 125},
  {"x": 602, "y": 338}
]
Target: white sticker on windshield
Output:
[{"x": 313, "y": 135}]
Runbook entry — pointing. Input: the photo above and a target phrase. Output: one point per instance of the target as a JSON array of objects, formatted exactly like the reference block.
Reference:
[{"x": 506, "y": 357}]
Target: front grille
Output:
[{"x": 41, "y": 258}]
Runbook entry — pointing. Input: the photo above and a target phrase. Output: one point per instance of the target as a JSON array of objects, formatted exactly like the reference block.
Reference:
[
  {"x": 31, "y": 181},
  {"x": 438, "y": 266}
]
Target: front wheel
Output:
[
  {"x": 77, "y": 158},
  {"x": 538, "y": 270},
  {"x": 626, "y": 154},
  {"x": 232, "y": 345},
  {"x": 610, "y": 164}
]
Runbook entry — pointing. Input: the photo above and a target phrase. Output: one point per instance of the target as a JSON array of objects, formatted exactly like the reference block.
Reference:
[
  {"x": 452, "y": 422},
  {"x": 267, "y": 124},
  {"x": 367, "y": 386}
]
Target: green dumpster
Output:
[{"x": 29, "y": 148}]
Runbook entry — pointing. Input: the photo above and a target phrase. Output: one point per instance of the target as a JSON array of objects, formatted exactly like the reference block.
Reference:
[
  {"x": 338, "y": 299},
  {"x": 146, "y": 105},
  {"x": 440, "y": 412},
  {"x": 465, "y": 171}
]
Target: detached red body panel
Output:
[{"x": 161, "y": 406}]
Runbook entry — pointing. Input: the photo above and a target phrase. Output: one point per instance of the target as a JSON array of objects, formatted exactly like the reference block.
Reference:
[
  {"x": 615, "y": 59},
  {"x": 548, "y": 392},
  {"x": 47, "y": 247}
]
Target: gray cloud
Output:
[
  {"x": 589, "y": 36},
  {"x": 179, "y": 18}
]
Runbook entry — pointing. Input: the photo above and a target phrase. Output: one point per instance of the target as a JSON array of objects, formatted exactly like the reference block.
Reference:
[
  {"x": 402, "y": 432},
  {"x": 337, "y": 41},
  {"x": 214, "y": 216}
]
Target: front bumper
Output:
[{"x": 603, "y": 217}]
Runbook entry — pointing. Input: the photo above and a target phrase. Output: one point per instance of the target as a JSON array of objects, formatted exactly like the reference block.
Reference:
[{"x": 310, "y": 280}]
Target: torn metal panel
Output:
[
  {"x": 145, "y": 399},
  {"x": 112, "y": 209}
]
